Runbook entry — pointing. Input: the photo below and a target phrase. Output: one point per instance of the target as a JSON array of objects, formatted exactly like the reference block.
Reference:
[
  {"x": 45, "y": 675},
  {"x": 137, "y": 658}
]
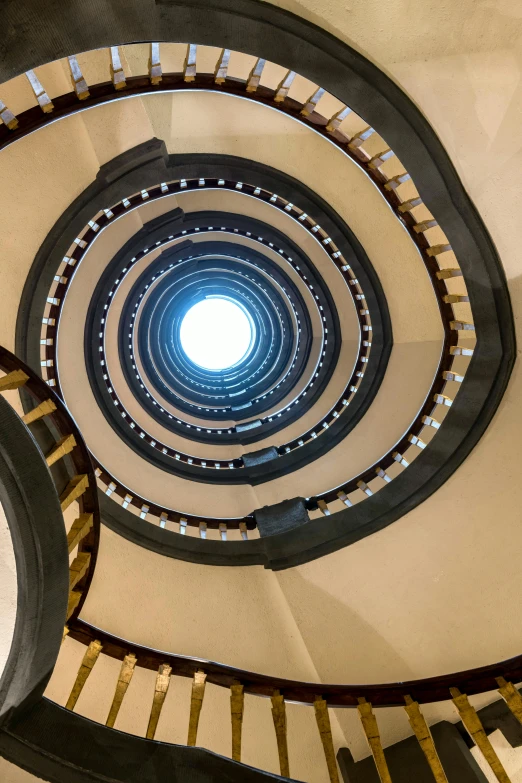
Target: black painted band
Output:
[{"x": 34, "y": 516}]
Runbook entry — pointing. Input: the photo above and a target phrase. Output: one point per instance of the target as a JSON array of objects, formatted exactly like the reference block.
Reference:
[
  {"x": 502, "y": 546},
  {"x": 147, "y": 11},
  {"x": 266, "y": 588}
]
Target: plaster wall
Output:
[{"x": 440, "y": 589}]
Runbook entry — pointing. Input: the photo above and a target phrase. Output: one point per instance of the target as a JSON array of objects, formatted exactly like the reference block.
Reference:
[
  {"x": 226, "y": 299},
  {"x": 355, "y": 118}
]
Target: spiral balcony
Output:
[{"x": 299, "y": 563}]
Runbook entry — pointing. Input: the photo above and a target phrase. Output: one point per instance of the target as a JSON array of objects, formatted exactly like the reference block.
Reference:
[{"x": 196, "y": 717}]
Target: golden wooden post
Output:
[
  {"x": 325, "y": 730},
  {"x": 44, "y": 102},
  {"x": 74, "y": 489},
  {"x": 423, "y": 734},
  {"x": 160, "y": 692},
  {"x": 255, "y": 75},
  {"x": 79, "y": 83},
  {"x": 220, "y": 74},
  {"x": 279, "y": 718},
  {"x": 78, "y": 568},
  {"x": 45, "y": 407},
  {"x": 190, "y": 68},
  {"x": 125, "y": 676},
  {"x": 335, "y": 121},
  {"x": 474, "y": 727},
  {"x": 512, "y": 697},
  {"x": 155, "y": 70},
  {"x": 283, "y": 87},
  {"x": 117, "y": 72},
  {"x": 311, "y": 104},
  {"x": 196, "y": 702},
  {"x": 64, "y": 446},
  {"x": 13, "y": 380},
  {"x": 89, "y": 659},
  {"x": 237, "y": 707},
  {"x": 369, "y": 723},
  {"x": 79, "y": 529},
  {"x": 7, "y": 117},
  {"x": 74, "y": 600},
  {"x": 65, "y": 633}
]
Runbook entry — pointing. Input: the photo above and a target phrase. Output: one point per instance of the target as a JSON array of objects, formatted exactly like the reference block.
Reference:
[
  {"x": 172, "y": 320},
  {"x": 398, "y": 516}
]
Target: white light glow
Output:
[{"x": 215, "y": 334}]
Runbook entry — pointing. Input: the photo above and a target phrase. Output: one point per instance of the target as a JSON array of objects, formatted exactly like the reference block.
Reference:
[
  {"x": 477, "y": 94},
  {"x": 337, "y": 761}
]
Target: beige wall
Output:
[{"x": 440, "y": 589}]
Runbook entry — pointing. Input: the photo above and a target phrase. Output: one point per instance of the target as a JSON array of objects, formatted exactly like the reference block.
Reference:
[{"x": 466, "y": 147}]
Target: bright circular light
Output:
[{"x": 215, "y": 334}]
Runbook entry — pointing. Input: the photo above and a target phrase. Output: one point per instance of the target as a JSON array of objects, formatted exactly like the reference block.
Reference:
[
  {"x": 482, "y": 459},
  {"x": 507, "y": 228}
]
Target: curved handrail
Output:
[
  {"x": 290, "y": 39},
  {"x": 482, "y": 679},
  {"x": 408, "y": 695},
  {"x": 69, "y": 443},
  {"x": 33, "y": 514},
  {"x": 390, "y": 186}
]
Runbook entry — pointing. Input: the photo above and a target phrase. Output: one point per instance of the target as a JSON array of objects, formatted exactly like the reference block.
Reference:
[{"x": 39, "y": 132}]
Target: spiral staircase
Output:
[{"x": 302, "y": 564}]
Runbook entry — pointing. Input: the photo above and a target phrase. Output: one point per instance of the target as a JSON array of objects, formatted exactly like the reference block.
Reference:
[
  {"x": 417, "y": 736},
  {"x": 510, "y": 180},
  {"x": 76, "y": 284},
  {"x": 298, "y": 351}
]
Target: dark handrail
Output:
[
  {"x": 32, "y": 510},
  {"x": 424, "y": 691}
]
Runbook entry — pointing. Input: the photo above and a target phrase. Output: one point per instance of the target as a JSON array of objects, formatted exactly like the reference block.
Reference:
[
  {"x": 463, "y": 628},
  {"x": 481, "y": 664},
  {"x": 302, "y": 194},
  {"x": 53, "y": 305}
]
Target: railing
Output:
[
  {"x": 82, "y": 244},
  {"x": 84, "y": 533},
  {"x": 407, "y": 695},
  {"x": 362, "y": 144}
]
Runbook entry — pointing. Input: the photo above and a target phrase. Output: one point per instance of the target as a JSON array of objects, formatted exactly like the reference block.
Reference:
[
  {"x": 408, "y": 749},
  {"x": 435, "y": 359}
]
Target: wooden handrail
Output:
[
  {"x": 424, "y": 691},
  {"x": 85, "y": 531},
  {"x": 406, "y": 695},
  {"x": 390, "y": 185}
]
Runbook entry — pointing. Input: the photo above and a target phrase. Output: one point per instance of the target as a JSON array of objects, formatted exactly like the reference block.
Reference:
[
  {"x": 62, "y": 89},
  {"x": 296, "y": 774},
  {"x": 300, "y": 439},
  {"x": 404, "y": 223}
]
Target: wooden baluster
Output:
[
  {"x": 155, "y": 70},
  {"x": 243, "y": 530},
  {"x": 117, "y": 72},
  {"x": 394, "y": 182},
  {"x": 45, "y": 407},
  {"x": 325, "y": 730},
  {"x": 125, "y": 676},
  {"x": 78, "y": 568},
  {"x": 76, "y": 487},
  {"x": 65, "y": 633},
  {"x": 454, "y": 298},
  {"x": 237, "y": 708},
  {"x": 462, "y": 326},
  {"x": 79, "y": 83},
  {"x": 189, "y": 69},
  {"x": 407, "y": 206},
  {"x": 13, "y": 380},
  {"x": 369, "y": 724},
  {"x": 449, "y": 375},
  {"x": 79, "y": 529},
  {"x": 87, "y": 665},
  {"x": 474, "y": 727},
  {"x": 323, "y": 507},
  {"x": 64, "y": 446},
  {"x": 74, "y": 600},
  {"x": 358, "y": 139},
  {"x": 423, "y": 734},
  {"x": 160, "y": 692},
  {"x": 284, "y": 86},
  {"x": 279, "y": 718},
  {"x": 7, "y": 117},
  {"x": 429, "y": 421},
  {"x": 223, "y": 531},
  {"x": 444, "y": 274},
  {"x": 335, "y": 121},
  {"x": 255, "y": 75},
  {"x": 424, "y": 226},
  {"x": 436, "y": 250},
  {"x": 377, "y": 160},
  {"x": 196, "y": 702},
  {"x": 512, "y": 697},
  {"x": 41, "y": 96},
  {"x": 311, "y": 104},
  {"x": 220, "y": 74}
]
